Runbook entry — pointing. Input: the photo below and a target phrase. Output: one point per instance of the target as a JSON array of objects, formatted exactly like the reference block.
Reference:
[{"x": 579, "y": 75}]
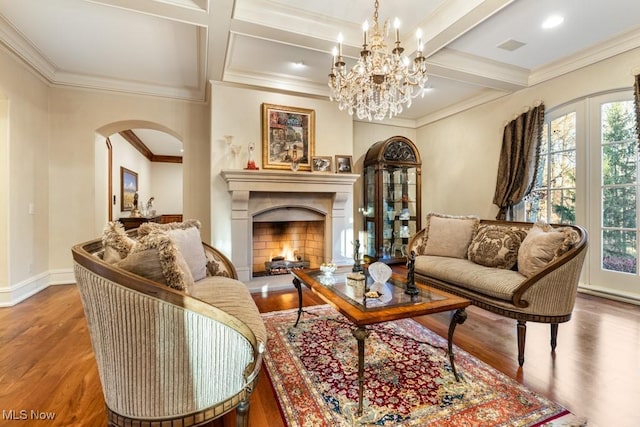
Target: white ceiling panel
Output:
[
  {"x": 160, "y": 142},
  {"x": 173, "y": 48},
  {"x": 586, "y": 24},
  {"x": 88, "y": 39}
]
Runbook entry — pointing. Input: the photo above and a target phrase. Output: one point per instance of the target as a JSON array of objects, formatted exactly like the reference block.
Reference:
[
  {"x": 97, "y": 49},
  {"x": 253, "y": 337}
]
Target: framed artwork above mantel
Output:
[{"x": 288, "y": 136}]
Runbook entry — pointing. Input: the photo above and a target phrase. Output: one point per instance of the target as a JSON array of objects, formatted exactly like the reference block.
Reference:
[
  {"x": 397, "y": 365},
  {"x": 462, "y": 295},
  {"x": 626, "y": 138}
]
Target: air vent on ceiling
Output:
[{"x": 511, "y": 45}]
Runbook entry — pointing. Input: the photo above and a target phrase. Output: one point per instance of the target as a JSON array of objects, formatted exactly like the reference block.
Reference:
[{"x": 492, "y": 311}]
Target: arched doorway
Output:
[{"x": 145, "y": 153}]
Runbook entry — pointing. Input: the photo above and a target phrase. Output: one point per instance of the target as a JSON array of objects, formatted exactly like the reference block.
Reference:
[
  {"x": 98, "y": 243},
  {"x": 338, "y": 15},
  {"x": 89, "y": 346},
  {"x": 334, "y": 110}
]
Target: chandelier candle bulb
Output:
[
  {"x": 419, "y": 37},
  {"x": 365, "y": 29},
  {"x": 396, "y": 25},
  {"x": 340, "y": 39}
]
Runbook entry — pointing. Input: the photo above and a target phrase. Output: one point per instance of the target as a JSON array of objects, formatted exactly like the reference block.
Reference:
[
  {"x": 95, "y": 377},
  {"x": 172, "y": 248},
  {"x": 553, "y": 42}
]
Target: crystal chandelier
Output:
[{"x": 381, "y": 82}]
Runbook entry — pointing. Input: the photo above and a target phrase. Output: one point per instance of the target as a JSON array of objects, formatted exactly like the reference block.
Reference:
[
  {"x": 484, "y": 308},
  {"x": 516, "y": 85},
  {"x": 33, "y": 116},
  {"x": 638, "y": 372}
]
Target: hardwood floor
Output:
[{"x": 47, "y": 365}]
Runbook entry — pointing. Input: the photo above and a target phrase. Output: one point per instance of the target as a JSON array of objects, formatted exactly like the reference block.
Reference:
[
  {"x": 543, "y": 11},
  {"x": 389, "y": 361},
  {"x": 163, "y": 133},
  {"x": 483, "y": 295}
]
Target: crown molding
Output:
[
  {"x": 15, "y": 41},
  {"x": 608, "y": 49},
  {"x": 137, "y": 143},
  {"x": 460, "y": 107},
  {"x": 278, "y": 82}
]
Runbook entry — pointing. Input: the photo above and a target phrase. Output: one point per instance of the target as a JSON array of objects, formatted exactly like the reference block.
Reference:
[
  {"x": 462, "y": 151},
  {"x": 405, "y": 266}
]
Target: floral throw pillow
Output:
[{"x": 496, "y": 246}]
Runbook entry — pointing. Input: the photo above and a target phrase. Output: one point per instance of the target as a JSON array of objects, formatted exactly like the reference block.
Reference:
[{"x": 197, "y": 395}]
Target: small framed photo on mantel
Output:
[
  {"x": 344, "y": 164},
  {"x": 321, "y": 164}
]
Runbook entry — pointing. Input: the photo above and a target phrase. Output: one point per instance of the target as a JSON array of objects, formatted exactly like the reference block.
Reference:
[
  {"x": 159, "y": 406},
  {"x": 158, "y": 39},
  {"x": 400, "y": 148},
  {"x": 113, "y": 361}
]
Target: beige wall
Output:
[
  {"x": 75, "y": 117},
  {"x": 51, "y": 166},
  {"x": 4, "y": 191},
  {"x": 26, "y": 243},
  {"x": 460, "y": 153},
  {"x": 48, "y": 157},
  {"x": 237, "y": 111}
]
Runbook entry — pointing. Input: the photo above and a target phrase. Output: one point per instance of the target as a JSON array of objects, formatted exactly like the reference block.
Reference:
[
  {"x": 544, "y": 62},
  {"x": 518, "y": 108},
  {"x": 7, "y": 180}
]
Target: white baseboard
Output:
[{"x": 19, "y": 292}]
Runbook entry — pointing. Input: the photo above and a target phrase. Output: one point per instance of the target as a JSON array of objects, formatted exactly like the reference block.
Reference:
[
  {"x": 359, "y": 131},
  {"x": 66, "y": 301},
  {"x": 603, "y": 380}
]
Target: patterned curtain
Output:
[
  {"x": 518, "y": 164},
  {"x": 636, "y": 92}
]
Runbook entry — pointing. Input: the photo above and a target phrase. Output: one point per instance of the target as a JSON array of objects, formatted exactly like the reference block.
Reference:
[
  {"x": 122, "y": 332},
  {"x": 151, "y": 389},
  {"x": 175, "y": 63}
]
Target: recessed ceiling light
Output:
[
  {"x": 299, "y": 64},
  {"x": 552, "y": 21}
]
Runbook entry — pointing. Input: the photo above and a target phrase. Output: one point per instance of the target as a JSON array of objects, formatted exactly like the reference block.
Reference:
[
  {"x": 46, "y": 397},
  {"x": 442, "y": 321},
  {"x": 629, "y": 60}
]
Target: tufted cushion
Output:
[
  {"x": 496, "y": 246},
  {"x": 156, "y": 258},
  {"x": 448, "y": 236},
  {"x": 115, "y": 242},
  {"x": 542, "y": 245}
]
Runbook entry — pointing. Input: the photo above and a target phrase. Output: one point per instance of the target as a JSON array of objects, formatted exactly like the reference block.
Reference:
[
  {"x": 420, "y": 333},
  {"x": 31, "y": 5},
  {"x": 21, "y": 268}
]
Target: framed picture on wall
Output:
[
  {"x": 321, "y": 164},
  {"x": 128, "y": 188},
  {"x": 288, "y": 136},
  {"x": 343, "y": 164}
]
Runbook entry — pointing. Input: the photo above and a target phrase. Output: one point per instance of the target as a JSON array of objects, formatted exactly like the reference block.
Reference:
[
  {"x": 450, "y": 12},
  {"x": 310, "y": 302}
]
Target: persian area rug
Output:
[{"x": 408, "y": 378}]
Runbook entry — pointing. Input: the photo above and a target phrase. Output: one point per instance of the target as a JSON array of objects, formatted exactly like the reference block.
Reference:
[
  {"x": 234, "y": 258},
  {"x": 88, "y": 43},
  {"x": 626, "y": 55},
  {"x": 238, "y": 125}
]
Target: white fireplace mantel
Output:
[{"x": 283, "y": 184}]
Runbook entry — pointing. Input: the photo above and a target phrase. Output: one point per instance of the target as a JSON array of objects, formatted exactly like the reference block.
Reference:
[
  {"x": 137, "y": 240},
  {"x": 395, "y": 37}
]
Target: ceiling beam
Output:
[
  {"x": 454, "y": 19},
  {"x": 218, "y": 38},
  {"x": 189, "y": 15}
]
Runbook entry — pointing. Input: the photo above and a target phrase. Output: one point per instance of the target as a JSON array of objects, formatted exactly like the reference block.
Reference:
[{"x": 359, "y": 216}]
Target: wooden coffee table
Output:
[{"x": 394, "y": 304}]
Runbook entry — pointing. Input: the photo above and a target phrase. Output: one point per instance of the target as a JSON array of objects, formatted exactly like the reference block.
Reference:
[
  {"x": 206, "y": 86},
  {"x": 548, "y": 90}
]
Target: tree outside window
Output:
[
  {"x": 619, "y": 187},
  {"x": 553, "y": 197}
]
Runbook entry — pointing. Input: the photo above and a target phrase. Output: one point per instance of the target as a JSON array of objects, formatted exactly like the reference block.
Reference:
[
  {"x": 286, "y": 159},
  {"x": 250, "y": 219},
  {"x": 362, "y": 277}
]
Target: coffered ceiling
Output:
[{"x": 172, "y": 48}]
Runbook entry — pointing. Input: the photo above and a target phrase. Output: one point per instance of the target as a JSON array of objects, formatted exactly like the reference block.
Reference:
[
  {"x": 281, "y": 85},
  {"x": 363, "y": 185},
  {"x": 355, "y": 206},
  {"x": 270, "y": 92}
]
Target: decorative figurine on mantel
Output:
[
  {"x": 411, "y": 282},
  {"x": 251, "y": 164},
  {"x": 356, "y": 257}
]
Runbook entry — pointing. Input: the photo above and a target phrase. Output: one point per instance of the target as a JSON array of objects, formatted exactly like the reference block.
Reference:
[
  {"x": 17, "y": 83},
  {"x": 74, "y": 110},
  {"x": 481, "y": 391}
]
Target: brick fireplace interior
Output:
[{"x": 296, "y": 241}]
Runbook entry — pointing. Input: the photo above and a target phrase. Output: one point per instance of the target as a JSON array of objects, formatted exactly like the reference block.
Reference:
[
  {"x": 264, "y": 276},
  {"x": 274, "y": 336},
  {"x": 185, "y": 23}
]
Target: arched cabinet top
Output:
[{"x": 394, "y": 150}]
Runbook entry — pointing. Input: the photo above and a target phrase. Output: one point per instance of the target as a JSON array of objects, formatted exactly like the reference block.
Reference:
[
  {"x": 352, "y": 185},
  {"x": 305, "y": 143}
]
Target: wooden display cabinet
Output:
[{"x": 392, "y": 199}]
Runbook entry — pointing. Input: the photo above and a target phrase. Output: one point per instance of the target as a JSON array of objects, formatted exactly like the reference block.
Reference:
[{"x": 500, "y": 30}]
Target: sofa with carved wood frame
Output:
[
  {"x": 493, "y": 264},
  {"x": 165, "y": 355}
]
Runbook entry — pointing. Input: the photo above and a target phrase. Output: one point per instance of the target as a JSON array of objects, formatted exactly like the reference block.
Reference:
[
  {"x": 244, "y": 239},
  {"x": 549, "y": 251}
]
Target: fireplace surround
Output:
[{"x": 284, "y": 195}]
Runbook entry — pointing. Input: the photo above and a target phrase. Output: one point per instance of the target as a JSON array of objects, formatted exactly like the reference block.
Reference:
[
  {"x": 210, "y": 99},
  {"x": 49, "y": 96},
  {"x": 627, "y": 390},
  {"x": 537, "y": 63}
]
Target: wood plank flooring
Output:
[{"x": 47, "y": 365}]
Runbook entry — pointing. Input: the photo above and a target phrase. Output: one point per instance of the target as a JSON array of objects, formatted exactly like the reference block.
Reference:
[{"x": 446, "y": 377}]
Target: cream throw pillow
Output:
[
  {"x": 542, "y": 245},
  {"x": 186, "y": 236},
  {"x": 156, "y": 258},
  {"x": 448, "y": 235},
  {"x": 189, "y": 243}
]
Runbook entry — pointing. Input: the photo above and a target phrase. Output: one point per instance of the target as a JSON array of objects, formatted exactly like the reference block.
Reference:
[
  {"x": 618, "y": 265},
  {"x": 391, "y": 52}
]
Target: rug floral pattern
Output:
[{"x": 408, "y": 381}]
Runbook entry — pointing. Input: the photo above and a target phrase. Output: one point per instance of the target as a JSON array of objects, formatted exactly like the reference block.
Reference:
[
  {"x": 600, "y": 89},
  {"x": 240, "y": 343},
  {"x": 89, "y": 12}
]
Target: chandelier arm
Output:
[{"x": 381, "y": 83}]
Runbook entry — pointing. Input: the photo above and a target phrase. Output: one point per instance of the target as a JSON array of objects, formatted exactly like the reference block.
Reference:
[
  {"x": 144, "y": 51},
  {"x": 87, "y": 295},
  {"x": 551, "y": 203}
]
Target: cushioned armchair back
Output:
[{"x": 161, "y": 357}]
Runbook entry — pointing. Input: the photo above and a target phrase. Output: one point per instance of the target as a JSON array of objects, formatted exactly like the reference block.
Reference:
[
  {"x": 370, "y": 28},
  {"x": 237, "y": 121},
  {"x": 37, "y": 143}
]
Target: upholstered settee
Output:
[
  {"x": 524, "y": 271},
  {"x": 177, "y": 339}
]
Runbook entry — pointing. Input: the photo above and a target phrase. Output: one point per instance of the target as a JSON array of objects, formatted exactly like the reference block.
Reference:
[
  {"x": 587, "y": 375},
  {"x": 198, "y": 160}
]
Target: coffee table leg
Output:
[
  {"x": 360, "y": 334},
  {"x": 458, "y": 318},
  {"x": 298, "y": 285}
]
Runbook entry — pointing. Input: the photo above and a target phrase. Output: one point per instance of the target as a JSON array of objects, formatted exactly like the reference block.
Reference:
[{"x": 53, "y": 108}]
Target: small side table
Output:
[{"x": 135, "y": 222}]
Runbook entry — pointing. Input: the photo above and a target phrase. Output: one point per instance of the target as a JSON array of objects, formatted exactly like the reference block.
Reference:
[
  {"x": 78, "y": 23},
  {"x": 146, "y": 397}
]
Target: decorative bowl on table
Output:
[
  {"x": 380, "y": 272},
  {"x": 328, "y": 268}
]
